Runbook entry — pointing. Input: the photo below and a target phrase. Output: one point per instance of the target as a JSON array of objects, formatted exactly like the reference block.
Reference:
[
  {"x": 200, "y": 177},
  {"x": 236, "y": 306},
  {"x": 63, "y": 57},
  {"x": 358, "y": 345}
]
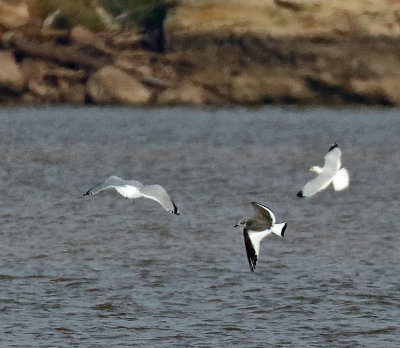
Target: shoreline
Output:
[{"x": 228, "y": 67}]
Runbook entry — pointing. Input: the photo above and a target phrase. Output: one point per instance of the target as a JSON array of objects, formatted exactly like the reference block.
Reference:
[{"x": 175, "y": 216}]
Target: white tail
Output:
[{"x": 279, "y": 229}]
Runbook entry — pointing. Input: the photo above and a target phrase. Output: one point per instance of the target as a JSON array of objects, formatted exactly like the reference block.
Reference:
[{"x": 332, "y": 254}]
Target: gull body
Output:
[
  {"x": 255, "y": 229},
  {"x": 330, "y": 173},
  {"x": 133, "y": 189}
]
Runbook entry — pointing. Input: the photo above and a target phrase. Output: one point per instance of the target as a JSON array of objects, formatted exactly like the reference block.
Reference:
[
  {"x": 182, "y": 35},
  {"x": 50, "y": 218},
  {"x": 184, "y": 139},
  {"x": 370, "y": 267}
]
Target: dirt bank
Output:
[{"x": 216, "y": 52}]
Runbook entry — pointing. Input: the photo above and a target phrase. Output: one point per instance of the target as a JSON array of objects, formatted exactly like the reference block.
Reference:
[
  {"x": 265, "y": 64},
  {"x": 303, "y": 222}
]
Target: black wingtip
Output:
[
  {"x": 333, "y": 146},
  {"x": 300, "y": 194},
  {"x": 87, "y": 193},
  {"x": 176, "y": 210},
  {"x": 284, "y": 230}
]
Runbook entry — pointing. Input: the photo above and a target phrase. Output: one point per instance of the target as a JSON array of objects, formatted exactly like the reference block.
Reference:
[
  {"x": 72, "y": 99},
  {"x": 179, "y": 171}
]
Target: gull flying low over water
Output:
[
  {"x": 329, "y": 173},
  {"x": 134, "y": 189},
  {"x": 256, "y": 228}
]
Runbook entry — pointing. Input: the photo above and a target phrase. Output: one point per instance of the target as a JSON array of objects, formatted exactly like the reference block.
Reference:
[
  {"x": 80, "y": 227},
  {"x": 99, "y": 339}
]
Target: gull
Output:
[
  {"x": 255, "y": 229},
  {"x": 329, "y": 173},
  {"x": 133, "y": 189}
]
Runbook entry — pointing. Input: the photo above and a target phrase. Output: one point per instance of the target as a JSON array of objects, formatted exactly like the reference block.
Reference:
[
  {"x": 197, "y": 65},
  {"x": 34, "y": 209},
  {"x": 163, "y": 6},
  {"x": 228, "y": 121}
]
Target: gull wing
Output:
[
  {"x": 250, "y": 251},
  {"x": 111, "y": 182},
  {"x": 341, "y": 180},
  {"x": 332, "y": 161},
  {"x": 320, "y": 182},
  {"x": 263, "y": 215},
  {"x": 158, "y": 194},
  {"x": 252, "y": 240},
  {"x": 122, "y": 186}
]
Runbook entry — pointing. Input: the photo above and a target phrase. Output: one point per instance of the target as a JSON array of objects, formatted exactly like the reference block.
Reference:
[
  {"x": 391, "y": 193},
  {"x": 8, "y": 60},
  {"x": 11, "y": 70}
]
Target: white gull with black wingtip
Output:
[
  {"x": 133, "y": 189},
  {"x": 255, "y": 229},
  {"x": 329, "y": 173}
]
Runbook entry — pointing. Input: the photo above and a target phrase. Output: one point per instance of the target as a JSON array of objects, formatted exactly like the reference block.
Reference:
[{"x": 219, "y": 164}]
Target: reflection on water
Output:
[{"x": 102, "y": 271}]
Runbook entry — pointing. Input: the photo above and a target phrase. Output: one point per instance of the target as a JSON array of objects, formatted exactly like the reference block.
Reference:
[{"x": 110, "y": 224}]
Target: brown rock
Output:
[
  {"x": 185, "y": 93},
  {"x": 131, "y": 66},
  {"x": 85, "y": 37},
  {"x": 68, "y": 74},
  {"x": 13, "y": 14},
  {"x": 37, "y": 88},
  {"x": 129, "y": 61},
  {"x": 384, "y": 89},
  {"x": 111, "y": 85},
  {"x": 72, "y": 93},
  {"x": 10, "y": 74},
  {"x": 253, "y": 89},
  {"x": 33, "y": 69},
  {"x": 47, "y": 93},
  {"x": 127, "y": 40},
  {"x": 290, "y": 4}
]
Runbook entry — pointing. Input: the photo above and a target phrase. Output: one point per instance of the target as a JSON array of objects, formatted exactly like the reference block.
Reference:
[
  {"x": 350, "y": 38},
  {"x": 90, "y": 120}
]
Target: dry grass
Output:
[{"x": 264, "y": 17}]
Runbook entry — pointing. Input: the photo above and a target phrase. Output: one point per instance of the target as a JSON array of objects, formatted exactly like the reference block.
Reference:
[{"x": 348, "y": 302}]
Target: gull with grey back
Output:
[
  {"x": 255, "y": 229},
  {"x": 133, "y": 189},
  {"x": 329, "y": 173}
]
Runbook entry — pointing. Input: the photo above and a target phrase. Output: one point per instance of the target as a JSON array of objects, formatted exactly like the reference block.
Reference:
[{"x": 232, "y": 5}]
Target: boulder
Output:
[
  {"x": 252, "y": 89},
  {"x": 72, "y": 93},
  {"x": 111, "y": 85},
  {"x": 13, "y": 14},
  {"x": 85, "y": 37},
  {"x": 11, "y": 76},
  {"x": 46, "y": 93},
  {"x": 67, "y": 74},
  {"x": 185, "y": 93},
  {"x": 385, "y": 89},
  {"x": 33, "y": 69},
  {"x": 128, "y": 40}
]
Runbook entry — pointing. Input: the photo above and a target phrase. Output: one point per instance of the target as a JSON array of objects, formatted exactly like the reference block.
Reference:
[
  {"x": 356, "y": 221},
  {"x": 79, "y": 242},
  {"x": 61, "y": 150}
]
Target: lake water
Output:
[{"x": 102, "y": 271}]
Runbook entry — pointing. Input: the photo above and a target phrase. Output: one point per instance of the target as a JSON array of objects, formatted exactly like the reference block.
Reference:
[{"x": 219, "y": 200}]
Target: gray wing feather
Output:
[
  {"x": 158, "y": 194},
  {"x": 112, "y": 182},
  {"x": 263, "y": 216}
]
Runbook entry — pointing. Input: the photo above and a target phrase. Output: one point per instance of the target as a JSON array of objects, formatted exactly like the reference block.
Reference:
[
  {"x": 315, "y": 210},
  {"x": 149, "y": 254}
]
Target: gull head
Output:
[
  {"x": 241, "y": 223},
  {"x": 333, "y": 146}
]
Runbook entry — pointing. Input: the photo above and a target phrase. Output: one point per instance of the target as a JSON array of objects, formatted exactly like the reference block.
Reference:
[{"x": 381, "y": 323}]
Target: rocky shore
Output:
[{"x": 216, "y": 53}]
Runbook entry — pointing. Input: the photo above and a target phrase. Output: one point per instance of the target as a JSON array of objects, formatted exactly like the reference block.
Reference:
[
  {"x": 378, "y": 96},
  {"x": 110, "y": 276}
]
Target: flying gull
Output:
[
  {"x": 329, "y": 173},
  {"x": 134, "y": 189},
  {"x": 256, "y": 228}
]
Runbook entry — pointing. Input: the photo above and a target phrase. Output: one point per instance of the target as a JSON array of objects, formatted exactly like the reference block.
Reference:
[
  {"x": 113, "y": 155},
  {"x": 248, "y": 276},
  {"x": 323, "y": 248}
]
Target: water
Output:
[{"x": 101, "y": 271}]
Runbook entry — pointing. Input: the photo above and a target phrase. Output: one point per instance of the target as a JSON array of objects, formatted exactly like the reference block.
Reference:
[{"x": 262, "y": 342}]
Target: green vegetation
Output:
[
  {"x": 72, "y": 13},
  {"x": 147, "y": 14},
  {"x": 143, "y": 14}
]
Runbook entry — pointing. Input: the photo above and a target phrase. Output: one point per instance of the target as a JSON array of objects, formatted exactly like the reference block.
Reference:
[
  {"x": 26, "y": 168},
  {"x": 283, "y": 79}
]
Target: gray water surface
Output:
[{"x": 102, "y": 271}]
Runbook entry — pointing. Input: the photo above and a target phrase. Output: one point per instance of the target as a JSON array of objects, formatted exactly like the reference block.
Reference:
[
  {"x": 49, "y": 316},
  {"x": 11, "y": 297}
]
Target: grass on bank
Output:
[{"x": 147, "y": 14}]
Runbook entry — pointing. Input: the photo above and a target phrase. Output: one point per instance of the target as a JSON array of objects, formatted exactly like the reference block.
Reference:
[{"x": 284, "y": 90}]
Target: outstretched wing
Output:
[
  {"x": 158, "y": 194},
  {"x": 127, "y": 188},
  {"x": 341, "y": 180},
  {"x": 111, "y": 182},
  {"x": 263, "y": 215},
  {"x": 320, "y": 182},
  {"x": 251, "y": 252},
  {"x": 332, "y": 161}
]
